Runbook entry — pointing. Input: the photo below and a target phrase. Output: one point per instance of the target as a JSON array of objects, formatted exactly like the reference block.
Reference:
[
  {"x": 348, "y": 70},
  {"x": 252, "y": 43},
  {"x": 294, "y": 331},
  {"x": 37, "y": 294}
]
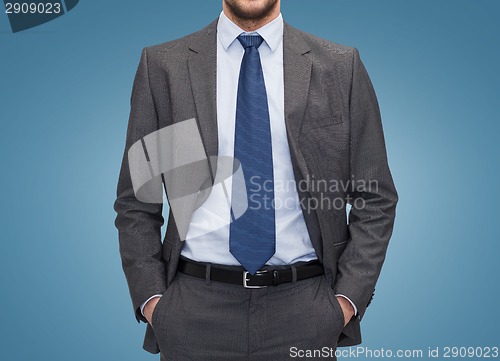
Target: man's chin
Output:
[{"x": 251, "y": 10}]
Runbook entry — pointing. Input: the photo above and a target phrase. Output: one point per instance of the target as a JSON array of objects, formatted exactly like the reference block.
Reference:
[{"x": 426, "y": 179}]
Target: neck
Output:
[{"x": 249, "y": 25}]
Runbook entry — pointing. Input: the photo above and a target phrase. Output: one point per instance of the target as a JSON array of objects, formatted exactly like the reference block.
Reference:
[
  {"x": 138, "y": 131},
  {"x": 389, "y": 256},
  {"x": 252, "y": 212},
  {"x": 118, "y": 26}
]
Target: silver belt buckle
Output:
[{"x": 245, "y": 280}]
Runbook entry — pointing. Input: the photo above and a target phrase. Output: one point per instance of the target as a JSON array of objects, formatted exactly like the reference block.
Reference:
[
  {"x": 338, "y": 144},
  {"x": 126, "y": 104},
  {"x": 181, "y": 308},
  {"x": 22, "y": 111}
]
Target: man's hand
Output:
[
  {"x": 346, "y": 309},
  {"x": 149, "y": 308}
]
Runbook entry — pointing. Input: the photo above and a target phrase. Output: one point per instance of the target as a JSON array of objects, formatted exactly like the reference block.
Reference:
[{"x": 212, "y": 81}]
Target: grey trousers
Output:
[{"x": 198, "y": 319}]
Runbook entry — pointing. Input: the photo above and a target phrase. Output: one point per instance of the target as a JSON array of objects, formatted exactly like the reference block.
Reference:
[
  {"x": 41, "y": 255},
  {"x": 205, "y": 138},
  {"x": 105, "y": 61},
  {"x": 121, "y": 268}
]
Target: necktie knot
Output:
[{"x": 248, "y": 41}]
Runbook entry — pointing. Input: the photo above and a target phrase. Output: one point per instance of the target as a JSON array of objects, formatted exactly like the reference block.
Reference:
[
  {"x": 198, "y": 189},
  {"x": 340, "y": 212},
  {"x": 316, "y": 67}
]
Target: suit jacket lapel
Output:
[
  {"x": 297, "y": 74},
  {"x": 202, "y": 64}
]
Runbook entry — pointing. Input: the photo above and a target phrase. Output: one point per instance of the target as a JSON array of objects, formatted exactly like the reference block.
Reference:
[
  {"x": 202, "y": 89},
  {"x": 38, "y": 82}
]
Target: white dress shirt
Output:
[{"x": 208, "y": 235}]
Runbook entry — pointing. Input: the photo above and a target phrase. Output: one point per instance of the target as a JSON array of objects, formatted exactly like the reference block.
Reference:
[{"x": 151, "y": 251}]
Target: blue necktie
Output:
[{"x": 252, "y": 238}]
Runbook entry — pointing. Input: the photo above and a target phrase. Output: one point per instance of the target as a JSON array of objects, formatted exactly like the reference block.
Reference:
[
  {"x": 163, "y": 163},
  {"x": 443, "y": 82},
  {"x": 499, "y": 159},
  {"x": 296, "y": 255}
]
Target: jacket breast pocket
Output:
[
  {"x": 328, "y": 120},
  {"x": 322, "y": 120}
]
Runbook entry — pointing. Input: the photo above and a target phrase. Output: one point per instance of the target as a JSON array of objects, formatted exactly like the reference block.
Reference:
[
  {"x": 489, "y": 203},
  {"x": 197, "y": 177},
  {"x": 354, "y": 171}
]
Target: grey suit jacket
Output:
[{"x": 334, "y": 132}]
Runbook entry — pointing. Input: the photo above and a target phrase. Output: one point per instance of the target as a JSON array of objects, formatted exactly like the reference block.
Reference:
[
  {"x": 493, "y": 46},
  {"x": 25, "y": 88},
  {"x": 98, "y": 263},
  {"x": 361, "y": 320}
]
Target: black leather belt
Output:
[{"x": 261, "y": 279}]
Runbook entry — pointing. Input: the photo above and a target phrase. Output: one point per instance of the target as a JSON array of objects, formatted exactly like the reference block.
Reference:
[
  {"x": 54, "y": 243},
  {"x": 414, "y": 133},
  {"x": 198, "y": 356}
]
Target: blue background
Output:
[{"x": 64, "y": 93}]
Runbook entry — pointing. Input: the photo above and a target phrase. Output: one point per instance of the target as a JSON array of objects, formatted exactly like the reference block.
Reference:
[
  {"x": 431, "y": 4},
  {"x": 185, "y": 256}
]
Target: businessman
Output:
[{"x": 300, "y": 117}]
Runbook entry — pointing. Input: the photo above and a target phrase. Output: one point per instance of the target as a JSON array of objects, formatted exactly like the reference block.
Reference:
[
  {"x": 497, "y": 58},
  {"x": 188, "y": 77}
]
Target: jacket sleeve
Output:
[
  {"x": 372, "y": 192},
  {"x": 139, "y": 224}
]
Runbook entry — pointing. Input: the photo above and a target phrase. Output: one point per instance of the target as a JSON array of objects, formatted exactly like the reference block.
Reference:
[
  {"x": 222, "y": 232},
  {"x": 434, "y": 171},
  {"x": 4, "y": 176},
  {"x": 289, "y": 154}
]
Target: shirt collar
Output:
[{"x": 272, "y": 33}]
